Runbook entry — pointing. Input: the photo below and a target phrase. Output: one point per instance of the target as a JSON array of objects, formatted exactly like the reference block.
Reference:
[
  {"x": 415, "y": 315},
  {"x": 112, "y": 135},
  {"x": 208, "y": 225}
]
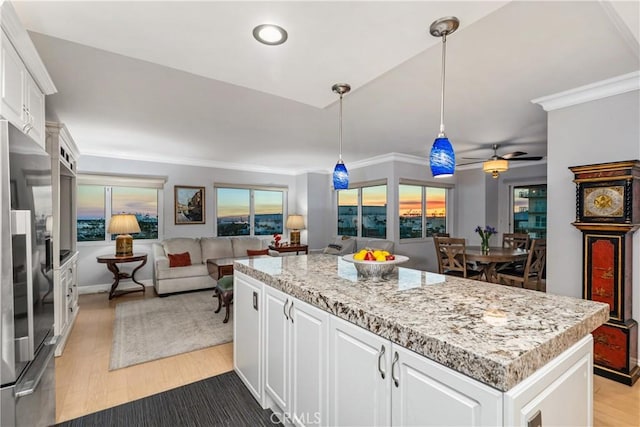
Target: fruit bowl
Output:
[{"x": 375, "y": 270}]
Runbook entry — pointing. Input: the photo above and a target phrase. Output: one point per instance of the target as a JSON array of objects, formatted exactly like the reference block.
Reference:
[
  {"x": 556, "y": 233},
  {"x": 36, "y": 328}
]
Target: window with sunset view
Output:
[
  {"x": 423, "y": 211},
  {"x": 247, "y": 211},
  {"x": 366, "y": 206}
]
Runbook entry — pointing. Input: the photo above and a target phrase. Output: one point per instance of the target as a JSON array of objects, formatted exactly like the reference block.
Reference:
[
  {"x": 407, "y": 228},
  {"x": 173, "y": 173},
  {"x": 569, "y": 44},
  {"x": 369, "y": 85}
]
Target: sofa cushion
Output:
[
  {"x": 241, "y": 244},
  {"x": 341, "y": 246},
  {"x": 216, "y": 247},
  {"x": 258, "y": 252},
  {"x": 179, "y": 245},
  {"x": 179, "y": 260},
  {"x": 183, "y": 272}
]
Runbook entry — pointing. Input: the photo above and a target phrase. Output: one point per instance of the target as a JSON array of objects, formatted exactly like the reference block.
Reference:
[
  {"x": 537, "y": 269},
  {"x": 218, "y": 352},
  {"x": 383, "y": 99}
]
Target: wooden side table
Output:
[
  {"x": 290, "y": 248},
  {"x": 112, "y": 262}
]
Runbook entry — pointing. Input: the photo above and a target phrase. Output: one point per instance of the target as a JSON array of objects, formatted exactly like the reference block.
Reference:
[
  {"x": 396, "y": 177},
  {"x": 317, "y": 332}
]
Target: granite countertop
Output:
[{"x": 496, "y": 334}]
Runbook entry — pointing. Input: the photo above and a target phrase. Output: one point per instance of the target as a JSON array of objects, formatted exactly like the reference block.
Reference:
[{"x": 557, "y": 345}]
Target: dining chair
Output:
[
  {"x": 452, "y": 258},
  {"x": 515, "y": 240},
  {"x": 532, "y": 271}
]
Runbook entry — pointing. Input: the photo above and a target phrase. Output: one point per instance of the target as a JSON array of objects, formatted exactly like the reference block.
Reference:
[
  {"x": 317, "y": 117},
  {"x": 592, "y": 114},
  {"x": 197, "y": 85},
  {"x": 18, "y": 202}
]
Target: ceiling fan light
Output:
[
  {"x": 340, "y": 176},
  {"x": 495, "y": 166},
  {"x": 442, "y": 158}
]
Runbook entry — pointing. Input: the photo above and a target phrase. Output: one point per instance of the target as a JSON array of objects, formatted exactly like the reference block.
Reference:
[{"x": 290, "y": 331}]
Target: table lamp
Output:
[
  {"x": 122, "y": 225},
  {"x": 295, "y": 223}
]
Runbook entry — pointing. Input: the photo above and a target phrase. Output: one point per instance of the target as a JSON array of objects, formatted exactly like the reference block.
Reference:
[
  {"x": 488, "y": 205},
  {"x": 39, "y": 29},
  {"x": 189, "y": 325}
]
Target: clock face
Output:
[{"x": 604, "y": 201}]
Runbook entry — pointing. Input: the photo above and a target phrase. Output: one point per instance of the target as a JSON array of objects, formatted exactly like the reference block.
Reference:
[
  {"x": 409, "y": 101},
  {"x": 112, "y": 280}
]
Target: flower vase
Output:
[{"x": 484, "y": 246}]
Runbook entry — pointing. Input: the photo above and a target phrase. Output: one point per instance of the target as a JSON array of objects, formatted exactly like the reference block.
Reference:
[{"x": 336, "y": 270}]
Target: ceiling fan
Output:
[{"x": 496, "y": 164}]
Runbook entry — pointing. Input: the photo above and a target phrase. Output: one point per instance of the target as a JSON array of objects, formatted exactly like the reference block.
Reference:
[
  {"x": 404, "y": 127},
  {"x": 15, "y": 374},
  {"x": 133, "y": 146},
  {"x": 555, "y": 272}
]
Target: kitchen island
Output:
[{"x": 310, "y": 335}]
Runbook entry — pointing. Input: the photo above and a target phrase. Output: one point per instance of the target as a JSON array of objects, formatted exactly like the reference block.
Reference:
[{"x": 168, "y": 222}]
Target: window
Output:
[
  {"x": 91, "y": 213},
  {"x": 423, "y": 211},
  {"x": 241, "y": 210},
  {"x": 97, "y": 202},
  {"x": 366, "y": 206},
  {"x": 530, "y": 210}
]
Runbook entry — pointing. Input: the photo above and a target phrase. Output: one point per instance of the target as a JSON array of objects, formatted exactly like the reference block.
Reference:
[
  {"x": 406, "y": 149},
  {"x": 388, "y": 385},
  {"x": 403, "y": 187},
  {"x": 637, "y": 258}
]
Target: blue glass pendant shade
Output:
[
  {"x": 340, "y": 176},
  {"x": 442, "y": 158}
]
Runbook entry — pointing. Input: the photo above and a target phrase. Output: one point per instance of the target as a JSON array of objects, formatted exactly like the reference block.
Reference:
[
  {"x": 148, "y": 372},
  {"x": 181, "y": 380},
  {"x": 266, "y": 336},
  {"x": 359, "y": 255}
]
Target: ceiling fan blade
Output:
[
  {"x": 470, "y": 163},
  {"x": 526, "y": 158},
  {"x": 512, "y": 155}
]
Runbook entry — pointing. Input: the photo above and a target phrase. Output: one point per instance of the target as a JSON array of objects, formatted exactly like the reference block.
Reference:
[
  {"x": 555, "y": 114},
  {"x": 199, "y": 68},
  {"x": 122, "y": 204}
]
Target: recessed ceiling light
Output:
[{"x": 270, "y": 34}]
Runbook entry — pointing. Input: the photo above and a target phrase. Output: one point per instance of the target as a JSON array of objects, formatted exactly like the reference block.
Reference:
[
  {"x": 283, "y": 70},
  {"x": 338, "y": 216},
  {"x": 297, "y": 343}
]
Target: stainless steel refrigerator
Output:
[{"x": 26, "y": 319}]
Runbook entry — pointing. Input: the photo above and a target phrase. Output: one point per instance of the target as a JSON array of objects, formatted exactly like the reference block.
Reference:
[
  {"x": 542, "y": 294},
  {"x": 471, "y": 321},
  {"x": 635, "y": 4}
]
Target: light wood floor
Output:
[{"x": 84, "y": 383}]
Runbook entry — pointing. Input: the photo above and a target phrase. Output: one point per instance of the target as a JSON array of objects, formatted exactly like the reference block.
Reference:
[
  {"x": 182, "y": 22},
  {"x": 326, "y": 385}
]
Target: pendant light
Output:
[
  {"x": 442, "y": 158},
  {"x": 340, "y": 173}
]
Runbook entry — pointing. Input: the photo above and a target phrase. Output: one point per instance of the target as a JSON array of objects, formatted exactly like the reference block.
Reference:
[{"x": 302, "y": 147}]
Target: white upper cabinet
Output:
[
  {"x": 13, "y": 73},
  {"x": 23, "y": 78}
]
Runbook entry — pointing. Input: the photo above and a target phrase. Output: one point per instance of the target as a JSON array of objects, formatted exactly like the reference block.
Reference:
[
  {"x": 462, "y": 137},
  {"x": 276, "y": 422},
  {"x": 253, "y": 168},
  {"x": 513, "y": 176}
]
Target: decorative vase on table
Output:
[{"x": 485, "y": 235}]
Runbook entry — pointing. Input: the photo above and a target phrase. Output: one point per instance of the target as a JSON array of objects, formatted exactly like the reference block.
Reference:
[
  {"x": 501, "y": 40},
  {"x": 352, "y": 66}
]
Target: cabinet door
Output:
[
  {"x": 358, "y": 360},
  {"x": 276, "y": 353},
  {"x": 12, "y": 84},
  {"x": 35, "y": 108},
  {"x": 559, "y": 394},
  {"x": 309, "y": 364},
  {"x": 247, "y": 343},
  {"x": 425, "y": 393}
]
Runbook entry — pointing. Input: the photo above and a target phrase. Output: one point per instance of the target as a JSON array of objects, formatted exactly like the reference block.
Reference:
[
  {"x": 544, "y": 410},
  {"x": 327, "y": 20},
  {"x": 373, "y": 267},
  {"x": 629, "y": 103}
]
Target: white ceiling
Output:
[{"x": 185, "y": 82}]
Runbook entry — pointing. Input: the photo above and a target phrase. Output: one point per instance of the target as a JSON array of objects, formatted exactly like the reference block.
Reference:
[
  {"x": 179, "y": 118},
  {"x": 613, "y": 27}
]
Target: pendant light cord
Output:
[
  {"x": 340, "y": 128},
  {"x": 444, "y": 54}
]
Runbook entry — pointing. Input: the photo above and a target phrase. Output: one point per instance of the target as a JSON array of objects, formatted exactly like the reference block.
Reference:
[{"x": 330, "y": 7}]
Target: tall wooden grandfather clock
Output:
[{"x": 608, "y": 213}]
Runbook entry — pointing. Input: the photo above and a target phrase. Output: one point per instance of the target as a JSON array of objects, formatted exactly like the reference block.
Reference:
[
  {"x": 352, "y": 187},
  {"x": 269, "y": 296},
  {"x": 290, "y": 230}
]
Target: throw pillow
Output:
[
  {"x": 342, "y": 245},
  {"x": 179, "y": 260},
  {"x": 258, "y": 252}
]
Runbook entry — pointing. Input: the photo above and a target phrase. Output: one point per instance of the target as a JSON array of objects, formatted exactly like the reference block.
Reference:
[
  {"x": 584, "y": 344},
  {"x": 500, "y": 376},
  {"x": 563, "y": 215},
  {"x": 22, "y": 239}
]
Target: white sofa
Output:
[
  {"x": 342, "y": 245},
  {"x": 167, "y": 280}
]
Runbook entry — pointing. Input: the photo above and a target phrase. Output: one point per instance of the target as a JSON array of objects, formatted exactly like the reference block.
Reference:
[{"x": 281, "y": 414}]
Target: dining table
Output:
[{"x": 491, "y": 260}]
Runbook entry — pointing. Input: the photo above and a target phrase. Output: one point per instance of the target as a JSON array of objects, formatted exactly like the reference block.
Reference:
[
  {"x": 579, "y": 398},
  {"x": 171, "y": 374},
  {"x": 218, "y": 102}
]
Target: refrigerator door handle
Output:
[
  {"x": 32, "y": 377},
  {"x": 21, "y": 224}
]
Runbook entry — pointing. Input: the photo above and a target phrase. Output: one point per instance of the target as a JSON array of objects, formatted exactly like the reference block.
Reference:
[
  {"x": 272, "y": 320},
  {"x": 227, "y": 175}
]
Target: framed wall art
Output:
[{"x": 189, "y": 205}]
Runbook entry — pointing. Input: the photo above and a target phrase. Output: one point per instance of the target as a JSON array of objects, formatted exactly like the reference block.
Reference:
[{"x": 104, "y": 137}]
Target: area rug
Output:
[{"x": 154, "y": 328}]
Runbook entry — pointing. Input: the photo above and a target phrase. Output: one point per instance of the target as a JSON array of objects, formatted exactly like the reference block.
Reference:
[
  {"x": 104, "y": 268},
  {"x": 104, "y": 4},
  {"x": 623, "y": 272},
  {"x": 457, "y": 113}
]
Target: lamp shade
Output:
[
  {"x": 340, "y": 176},
  {"x": 123, "y": 224},
  {"x": 295, "y": 222},
  {"x": 442, "y": 158},
  {"x": 495, "y": 166}
]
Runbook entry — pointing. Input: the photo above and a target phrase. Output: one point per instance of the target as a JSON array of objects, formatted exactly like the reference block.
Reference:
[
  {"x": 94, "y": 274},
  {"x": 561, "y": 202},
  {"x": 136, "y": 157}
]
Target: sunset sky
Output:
[
  {"x": 91, "y": 202},
  {"x": 235, "y": 202}
]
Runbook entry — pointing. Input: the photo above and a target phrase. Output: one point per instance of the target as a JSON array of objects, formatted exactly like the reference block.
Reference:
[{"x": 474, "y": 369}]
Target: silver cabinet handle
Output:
[
  {"x": 290, "y": 307},
  {"x": 284, "y": 308},
  {"x": 382, "y": 351},
  {"x": 396, "y": 380}
]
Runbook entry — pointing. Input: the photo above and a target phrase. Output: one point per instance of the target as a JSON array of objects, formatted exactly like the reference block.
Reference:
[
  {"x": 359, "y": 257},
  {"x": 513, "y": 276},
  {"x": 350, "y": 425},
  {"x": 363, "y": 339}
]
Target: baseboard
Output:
[{"x": 96, "y": 289}]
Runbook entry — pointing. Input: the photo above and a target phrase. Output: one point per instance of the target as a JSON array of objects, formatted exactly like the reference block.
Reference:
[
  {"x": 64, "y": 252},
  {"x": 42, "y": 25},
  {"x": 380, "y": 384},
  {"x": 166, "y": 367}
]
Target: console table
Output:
[
  {"x": 290, "y": 248},
  {"x": 112, "y": 262}
]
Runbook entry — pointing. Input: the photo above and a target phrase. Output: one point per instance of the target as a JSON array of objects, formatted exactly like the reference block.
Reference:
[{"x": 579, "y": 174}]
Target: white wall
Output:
[{"x": 605, "y": 130}]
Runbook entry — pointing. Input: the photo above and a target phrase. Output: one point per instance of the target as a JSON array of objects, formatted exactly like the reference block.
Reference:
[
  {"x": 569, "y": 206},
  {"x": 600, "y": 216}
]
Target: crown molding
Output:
[
  {"x": 591, "y": 92},
  {"x": 389, "y": 157},
  {"x": 22, "y": 43}
]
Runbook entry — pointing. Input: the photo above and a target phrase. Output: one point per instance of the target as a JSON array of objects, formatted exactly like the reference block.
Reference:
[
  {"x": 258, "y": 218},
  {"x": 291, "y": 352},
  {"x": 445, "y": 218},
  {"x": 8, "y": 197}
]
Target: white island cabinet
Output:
[
  {"x": 247, "y": 333},
  {"x": 295, "y": 358},
  {"x": 321, "y": 346}
]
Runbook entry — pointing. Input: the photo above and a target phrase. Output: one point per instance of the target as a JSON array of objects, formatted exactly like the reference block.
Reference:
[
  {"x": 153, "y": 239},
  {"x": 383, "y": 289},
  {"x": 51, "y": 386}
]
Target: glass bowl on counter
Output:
[{"x": 375, "y": 270}]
